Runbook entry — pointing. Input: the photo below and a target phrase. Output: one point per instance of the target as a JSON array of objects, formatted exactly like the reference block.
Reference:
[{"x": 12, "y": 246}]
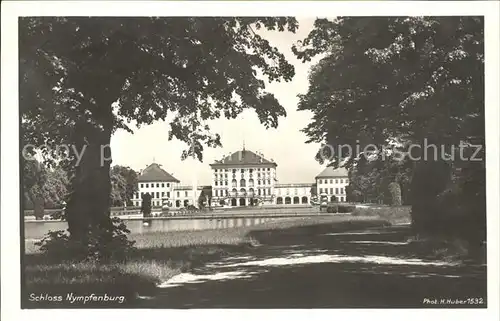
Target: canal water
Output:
[{"x": 36, "y": 230}]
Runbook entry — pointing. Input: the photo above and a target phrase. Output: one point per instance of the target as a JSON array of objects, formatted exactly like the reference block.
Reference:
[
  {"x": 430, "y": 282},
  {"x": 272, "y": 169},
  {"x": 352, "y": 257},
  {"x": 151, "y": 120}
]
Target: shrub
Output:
[
  {"x": 97, "y": 246},
  {"x": 395, "y": 191},
  {"x": 332, "y": 208},
  {"x": 345, "y": 208}
]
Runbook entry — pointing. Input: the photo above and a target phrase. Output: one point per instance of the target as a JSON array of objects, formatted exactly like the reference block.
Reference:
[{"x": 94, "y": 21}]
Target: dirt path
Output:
[{"x": 364, "y": 268}]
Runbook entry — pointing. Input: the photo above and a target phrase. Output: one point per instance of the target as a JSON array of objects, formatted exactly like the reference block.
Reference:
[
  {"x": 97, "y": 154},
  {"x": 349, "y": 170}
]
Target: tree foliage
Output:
[
  {"x": 83, "y": 78},
  {"x": 48, "y": 186},
  {"x": 74, "y": 69},
  {"x": 412, "y": 79},
  {"x": 383, "y": 78},
  {"x": 124, "y": 185}
]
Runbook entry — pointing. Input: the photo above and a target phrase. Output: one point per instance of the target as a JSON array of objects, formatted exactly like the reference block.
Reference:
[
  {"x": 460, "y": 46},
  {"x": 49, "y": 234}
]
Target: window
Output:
[
  {"x": 226, "y": 192},
  {"x": 320, "y": 182},
  {"x": 259, "y": 191},
  {"x": 216, "y": 183},
  {"x": 242, "y": 170},
  {"x": 225, "y": 176},
  {"x": 268, "y": 169},
  {"x": 251, "y": 170},
  {"x": 216, "y": 193},
  {"x": 157, "y": 184},
  {"x": 162, "y": 194},
  {"x": 347, "y": 181},
  {"x": 342, "y": 191},
  {"x": 157, "y": 194},
  {"x": 336, "y": 181},
  {"x": 341, "y": 181},
  {"x": 225, "y": 183},
  {"x": 320, "y": 190},
  {"x": 216, "y": 170},
  {"x": 142, "y": 185},
  {"x": 296, "y": 191},
  {"x": 168, "y": 184},
  {"x": 168, "y": 194},
  {"x": 264, "y": 191},
  {"x": 142, "y": 195},
  {"x": 258, "y": 182},
  {"x": 186, "y": 193},
  {"x": 331, "y": 190},
  {"x": 162, "y": 184},
  {"x": 147, "y": 185},
  {"x": 268, "y": 182},
  {"x": 268, "y": 191},
  {"x": 178, "y": 194},
  {"x": 336, "y": 190},
  {"x": 234, "y": 171}
]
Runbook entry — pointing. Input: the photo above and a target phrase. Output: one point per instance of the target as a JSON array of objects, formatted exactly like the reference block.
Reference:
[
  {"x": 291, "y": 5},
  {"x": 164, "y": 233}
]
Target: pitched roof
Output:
[
  {"x": 333, "y": 172},
  {"x": 154, "y": 173},
  {"x": 244, "y": 157}
]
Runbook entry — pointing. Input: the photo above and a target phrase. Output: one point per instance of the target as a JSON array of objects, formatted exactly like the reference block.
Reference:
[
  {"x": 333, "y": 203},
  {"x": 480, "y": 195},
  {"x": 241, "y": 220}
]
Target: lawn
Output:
[{"x": 158, "y": 257}]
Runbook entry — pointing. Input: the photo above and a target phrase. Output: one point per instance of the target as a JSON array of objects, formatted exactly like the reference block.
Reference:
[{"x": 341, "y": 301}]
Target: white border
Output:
[{"x": 10, "y": 273}]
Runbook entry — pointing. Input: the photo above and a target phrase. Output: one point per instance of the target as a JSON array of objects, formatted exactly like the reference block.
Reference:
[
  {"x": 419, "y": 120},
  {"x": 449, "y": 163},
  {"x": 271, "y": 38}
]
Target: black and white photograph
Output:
[{"x": 335, "y": 157}]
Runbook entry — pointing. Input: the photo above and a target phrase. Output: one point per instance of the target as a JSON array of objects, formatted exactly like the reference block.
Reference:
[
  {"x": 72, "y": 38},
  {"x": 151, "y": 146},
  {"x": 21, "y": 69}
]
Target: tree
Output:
[
  {"x": 45, "y": 187},
  {"x": 395, "y": 190},
  {"x": 202, "y": 200},
  {"x": 118, "y": 188},
  {"x": 83, "y": 78},
  {"x": 416, "y": 79},
  {"x": 34, "y": 177},
  {"x": 146, "y": 205},
  {"x": 55, "y": 189},
  {"x": 123, "y": 185}
]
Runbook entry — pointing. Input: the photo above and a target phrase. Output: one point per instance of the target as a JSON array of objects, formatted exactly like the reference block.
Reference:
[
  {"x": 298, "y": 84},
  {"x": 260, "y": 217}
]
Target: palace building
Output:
[
  {"x": 293, "y": 193},
  {"x": 243, "y": 178},
  {"x": 332, "y": 183},
  {"x": 157, "y": 182}
]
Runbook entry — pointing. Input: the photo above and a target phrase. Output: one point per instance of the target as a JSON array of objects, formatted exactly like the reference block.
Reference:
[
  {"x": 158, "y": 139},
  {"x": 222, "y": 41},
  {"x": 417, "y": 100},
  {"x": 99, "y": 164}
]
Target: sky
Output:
[{"x": 285, "y": 144}]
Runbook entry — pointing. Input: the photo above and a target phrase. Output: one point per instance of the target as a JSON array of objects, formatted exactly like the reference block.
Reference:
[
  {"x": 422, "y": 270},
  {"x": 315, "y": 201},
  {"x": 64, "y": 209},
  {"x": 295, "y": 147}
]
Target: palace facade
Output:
[
  {"x": 242, "y": 178},
  {"x": 157, "y": 182},
  {"x": 332, "y": 183}
]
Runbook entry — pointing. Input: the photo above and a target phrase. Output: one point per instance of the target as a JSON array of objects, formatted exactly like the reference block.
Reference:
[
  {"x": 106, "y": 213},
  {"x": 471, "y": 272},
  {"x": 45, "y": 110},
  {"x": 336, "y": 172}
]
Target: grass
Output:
[
  {"x": 159, "y": 256},
  {"x": 393, "y": 214}
]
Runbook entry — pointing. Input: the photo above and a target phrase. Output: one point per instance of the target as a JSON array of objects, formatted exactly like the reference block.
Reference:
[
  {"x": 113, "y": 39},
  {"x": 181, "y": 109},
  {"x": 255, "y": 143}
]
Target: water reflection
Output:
[{"x": 36, "y": 230}]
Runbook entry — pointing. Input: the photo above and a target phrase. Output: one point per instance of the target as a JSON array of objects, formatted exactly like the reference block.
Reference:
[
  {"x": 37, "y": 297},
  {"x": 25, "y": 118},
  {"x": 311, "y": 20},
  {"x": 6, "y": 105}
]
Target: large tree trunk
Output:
[
  {"x": 430, "y": 178},
  {"x": 88, "y": 208}
]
